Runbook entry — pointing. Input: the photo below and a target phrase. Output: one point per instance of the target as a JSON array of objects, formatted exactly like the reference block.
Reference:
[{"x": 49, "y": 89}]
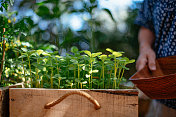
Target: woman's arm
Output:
[{"x": 146, "y": 53}]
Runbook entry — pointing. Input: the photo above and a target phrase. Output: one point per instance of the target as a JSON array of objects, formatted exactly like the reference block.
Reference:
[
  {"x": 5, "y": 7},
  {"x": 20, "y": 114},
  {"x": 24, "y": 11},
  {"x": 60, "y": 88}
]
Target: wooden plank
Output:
[
  {"x": 4, "y": 102},
  {"x": 4, "y": 99},
  {"x": 30, "y": 103}
]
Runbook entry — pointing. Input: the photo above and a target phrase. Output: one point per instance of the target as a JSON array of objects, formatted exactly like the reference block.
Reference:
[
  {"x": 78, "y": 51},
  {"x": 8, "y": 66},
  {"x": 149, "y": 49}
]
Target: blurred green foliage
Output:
[
  {"x": 92, "y": 33},
  {"x": 25, "y": 32}
]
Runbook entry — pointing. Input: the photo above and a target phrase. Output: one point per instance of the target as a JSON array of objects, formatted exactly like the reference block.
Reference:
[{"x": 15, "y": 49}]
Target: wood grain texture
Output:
[
  {"x": 4, "y": 99},
  {"x": 4, "y": 102},
  {"x": 30, "y": 103}
]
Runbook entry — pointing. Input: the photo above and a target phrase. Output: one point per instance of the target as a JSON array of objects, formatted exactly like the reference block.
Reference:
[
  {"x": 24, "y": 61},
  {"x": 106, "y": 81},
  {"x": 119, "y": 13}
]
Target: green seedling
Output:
[
  {"x": 28, "y": 54},
  {"x": 91, "y": 60},
  {"x": 103, "y": 58},
  {"x": 115, "y": 55},
  {"x": 78, "y": 70}
]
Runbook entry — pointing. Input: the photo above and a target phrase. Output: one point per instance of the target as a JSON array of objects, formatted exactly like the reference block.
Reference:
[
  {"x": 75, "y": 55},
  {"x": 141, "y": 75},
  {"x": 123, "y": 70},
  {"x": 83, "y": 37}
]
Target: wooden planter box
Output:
[
  {"x": 4, "y": 99},
  {"x": 113, "y": 103}
]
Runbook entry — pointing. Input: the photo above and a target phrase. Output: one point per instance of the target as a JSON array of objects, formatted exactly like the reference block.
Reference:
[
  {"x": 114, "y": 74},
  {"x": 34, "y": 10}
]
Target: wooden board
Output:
[
  {"x": 4, "y": 99},
  {"x": 4, "y": 102},
  {"x": 114, "y": 103}
]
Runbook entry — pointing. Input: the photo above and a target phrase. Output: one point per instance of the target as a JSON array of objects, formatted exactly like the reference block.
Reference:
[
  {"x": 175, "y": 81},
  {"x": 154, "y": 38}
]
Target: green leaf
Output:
[
  {"x": 71, "y": 67},
  {"x": 85, "y": 82},
  {"x": 24, "y": 49},
  {"x": 1, "y": 9},
  {"x": 54, "y": 53},
  {"x": 16, "y": 50},
  {"x": 109, "y": 12},
  {"x": 131, "y": 61},
  {"x": 42, "y": 11},
  {"x": 39, "y": 52},
  {"x": 5, "y": 5},
  {"x": 74, "y": 49},
  {"x": 92, "y": 1},
  {"x": 74, "y": 61},
  {"x": 31, "y": 52},
  {"x": 88, "y": 53},
  {"x": 57, "y": 76},
  {"x": 96, "y": 54},
  {"x": 126, "y": 68},
  {"x": 109, "y": 50},
  {"x": 42, "y": 3},
  {"x": 57, "y": 56},
  {"x": 56, "y": 11},
  {"x": 27, "y": 44},
  {"x": 44, "y": 68},
  {"x": 45, "y": 54},
  {"x": 103, "y": 57},
  {"x": 117, "y": 54},
  {"x": 23, "y": 56},
  {"x": 93, "y": 71}
]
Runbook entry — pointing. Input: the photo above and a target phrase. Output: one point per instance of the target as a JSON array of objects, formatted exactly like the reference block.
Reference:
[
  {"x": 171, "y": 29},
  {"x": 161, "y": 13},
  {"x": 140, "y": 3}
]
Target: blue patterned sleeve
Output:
[{"x": 144, "y": 17}]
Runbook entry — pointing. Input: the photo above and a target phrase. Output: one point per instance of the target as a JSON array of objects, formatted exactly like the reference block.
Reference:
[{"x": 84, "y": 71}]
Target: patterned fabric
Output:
[{"x": 160, "y": 17}]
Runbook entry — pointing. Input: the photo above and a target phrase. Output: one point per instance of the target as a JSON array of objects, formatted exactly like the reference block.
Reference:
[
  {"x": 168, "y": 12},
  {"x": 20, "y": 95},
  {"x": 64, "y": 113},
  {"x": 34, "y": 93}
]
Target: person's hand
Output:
[{"x": 147, "y": 56}]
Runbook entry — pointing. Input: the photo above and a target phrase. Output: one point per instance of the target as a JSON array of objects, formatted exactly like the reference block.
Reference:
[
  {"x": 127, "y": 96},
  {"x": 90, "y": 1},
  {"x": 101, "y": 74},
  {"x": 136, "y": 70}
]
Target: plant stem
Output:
[
  {"x": 30, "y": 70},
  {"x": 3, "y": 55},
  {"x": 81, "y": 85},
  {"x": 18, "y": 39},
  {"x": 59, "y": 83},
  {"x": 37, "y": 76},
  {"x": 68, "y": 70},
  {"x": 103, "y": 75},
  {"x": 89, "y": 82},
  {"x": 114, "y": 73},
  {"x": 78, "y": 76},
  {"x": 59, "y": 79},
  {"x": 91, "y": 75},
  {"x": 99, "y": 86},
  {"x": 117, "y": 63},
  {"x": 24, "y": 70},
  {"x": 57, "y": 67},
  {"x": 83, "y": 73},
  {"x": 51, "y": 78},
  {"x": 120, "y": 69},
  {"x": 110, "y": 77},
  {"x": 46, "y": 77},
  {"x": 121, "y": 77},
  {"x": 41, "y": 81},
  {"x": 75, "y": 75}
]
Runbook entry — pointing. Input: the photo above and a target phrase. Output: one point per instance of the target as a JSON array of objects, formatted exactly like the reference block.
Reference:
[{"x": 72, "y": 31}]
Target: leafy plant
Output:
[
  {"x": 78, "y": 69},
  {"x": 41, "y": 67}
]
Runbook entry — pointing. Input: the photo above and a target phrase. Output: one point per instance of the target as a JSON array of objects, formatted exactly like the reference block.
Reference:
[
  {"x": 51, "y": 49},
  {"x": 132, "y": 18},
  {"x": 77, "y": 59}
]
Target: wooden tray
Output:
[
  {"x": 159, "y": 84},
  {"x": 42, "y": 103}
]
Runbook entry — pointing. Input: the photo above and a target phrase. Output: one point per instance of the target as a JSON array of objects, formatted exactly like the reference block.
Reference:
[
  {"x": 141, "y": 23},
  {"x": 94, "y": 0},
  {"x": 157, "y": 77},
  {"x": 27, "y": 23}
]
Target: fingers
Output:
[
  {"x": 146, "y": 58},
  {"x": 141, "y": 62},
  {"x": 151, "y": 61}
]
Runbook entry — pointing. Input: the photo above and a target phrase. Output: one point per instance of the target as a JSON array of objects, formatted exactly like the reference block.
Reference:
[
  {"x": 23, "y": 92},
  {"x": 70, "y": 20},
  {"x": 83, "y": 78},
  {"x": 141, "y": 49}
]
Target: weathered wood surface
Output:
[
  {"x": 4, "y": 102},
  {"x": 114, "y": 103},
  {"x": 4, "y": 99}
]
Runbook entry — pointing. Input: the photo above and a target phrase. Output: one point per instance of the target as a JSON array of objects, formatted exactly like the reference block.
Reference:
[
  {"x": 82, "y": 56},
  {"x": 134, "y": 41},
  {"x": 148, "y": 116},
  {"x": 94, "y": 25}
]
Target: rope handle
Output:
[{"x": 81, "y": 93}]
